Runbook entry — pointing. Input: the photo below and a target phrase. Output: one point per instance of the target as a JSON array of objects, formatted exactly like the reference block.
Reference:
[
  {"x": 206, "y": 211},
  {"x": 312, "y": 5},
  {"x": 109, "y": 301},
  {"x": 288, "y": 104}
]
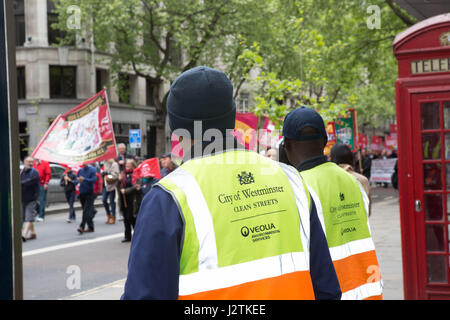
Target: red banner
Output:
[
  {"x": 269, "y": 136},
  {"x": 148, "y": 168},
  {"x": 377, "y": 143},
  {"x": 332, "y": 138},
  {"x": 80, "y": 136},
  {"x": 245, "y": 130},
  {"x": 176, "y": 149},
  {"x": 362, "y": 141}
]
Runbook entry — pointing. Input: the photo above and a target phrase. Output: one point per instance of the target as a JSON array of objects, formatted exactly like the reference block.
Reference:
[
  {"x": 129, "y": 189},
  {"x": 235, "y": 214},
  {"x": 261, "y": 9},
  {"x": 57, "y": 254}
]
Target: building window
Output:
[
  {"x": 243, "y": 105},
  {"x": 56, "y": 35},
  {"x": 122, "y": 132},
  {"x": 19, "y": 21},
  {"x": 124, "y": 88},
  {"x": 21, "y": 87},
  {"x": 149, "y": 88},
  {"x": 102, "y": 79},
  {"x": 63, "y": 82},
  {"x": 24, "y": 139}
]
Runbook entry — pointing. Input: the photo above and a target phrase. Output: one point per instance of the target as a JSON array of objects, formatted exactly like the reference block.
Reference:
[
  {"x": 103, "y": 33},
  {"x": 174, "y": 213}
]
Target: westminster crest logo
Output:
[{"x": 245, "y": 178}]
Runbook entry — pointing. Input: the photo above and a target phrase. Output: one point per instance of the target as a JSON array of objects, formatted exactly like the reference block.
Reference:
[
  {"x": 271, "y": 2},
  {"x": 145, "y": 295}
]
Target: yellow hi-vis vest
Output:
[
  {"x": 342, "y": 207},
  {"x": 246, "y": 228}
]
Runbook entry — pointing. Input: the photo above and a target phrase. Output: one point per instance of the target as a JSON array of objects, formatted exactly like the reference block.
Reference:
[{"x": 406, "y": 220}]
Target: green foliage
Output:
[
  {"x": 319, "y": 53},
  {"x": 334, "y": 61}
]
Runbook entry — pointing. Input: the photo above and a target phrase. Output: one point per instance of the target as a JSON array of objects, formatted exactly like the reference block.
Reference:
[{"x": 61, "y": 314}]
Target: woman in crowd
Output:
[
  {"x": 110, "y": 175},
  {"x": 128, "y": 189}
]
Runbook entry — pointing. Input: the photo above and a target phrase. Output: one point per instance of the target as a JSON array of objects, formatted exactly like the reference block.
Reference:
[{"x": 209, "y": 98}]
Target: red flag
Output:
[
  {"x": 377, "y": 143},
  {"x": 148, "y": 168},
  {"x": 362, "y": 141},
  {"x": 245, "y": 130},
  {"x": 80, "y": 136}
]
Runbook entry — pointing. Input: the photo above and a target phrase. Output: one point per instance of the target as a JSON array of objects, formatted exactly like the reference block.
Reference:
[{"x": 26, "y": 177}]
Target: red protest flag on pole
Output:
[
  {"x": 80, "y": 136},
  {"x": 148, "y": 168}
]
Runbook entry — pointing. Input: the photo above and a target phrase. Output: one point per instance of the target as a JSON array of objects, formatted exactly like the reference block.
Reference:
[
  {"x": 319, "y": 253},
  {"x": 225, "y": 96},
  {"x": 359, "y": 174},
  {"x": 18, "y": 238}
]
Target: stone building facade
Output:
[{"x": 52, "y": 80}]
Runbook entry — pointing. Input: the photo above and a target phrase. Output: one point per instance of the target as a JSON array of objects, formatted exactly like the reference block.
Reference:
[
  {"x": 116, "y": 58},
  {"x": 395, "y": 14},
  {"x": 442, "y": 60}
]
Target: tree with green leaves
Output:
[
  {"x": 338, "y": 56},
  {"x": 158, "y": 40}
]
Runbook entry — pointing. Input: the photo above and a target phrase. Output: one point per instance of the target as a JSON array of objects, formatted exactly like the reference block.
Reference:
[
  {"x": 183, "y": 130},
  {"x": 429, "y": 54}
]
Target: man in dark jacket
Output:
[
  {"x": 30, "y": 181},
  {"x": 154, "y": 262},
  {"x": 87, "y": 176},
  {"x": 68, "y": 182}
]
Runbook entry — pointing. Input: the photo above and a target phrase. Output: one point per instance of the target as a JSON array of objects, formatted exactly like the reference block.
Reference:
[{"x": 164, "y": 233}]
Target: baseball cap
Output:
[{"x": 301, "y": 118}]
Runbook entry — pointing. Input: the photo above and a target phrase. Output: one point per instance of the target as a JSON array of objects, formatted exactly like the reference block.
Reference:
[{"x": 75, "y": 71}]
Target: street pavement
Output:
[
  {"x": 102, "y": 258},
  {"x": 385, "y": 225},
  {"x": 61, "y": 263}
]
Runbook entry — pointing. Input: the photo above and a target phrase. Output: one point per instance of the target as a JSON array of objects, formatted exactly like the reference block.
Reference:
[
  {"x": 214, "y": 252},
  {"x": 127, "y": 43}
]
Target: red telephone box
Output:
[{"x": 423, "y": 119}]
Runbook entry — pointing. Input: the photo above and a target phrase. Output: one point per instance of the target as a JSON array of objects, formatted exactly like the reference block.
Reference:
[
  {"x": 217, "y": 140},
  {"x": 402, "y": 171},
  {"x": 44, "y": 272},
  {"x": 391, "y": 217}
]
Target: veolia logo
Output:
[
  {"x": 244, "y": 231},
  {"x": 264, "y": 227}
]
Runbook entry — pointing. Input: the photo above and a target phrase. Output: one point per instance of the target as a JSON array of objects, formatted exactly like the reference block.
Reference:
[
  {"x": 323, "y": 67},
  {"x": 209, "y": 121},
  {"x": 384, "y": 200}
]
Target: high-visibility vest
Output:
[
  {"x": 246, "y": 228},
  {"x": 342, "y": 207}
]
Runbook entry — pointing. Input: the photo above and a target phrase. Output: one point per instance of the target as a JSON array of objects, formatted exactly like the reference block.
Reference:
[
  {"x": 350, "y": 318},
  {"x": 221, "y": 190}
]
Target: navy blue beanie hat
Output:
[
  {"x": 201, "y": 94},
  {"x": 300, "y": 118}
]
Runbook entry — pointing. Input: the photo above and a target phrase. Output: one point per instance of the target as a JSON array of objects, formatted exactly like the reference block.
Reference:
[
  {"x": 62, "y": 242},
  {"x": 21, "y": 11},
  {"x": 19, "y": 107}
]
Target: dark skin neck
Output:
[{"x": 299, "y": 151}]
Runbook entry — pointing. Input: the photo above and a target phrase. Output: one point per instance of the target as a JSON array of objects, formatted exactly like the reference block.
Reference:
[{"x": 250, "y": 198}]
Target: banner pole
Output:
[
  {"x": 357, "y": 141},
  {"x": 109, "y": 112}
]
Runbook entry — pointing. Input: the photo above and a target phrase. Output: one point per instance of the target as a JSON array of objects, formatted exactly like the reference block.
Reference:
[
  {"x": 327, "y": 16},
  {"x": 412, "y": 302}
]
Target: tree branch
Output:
[{"x": 399, "y": 13}]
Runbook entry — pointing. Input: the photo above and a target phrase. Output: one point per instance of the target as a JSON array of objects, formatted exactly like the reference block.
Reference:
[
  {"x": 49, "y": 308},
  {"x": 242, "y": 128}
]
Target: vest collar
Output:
[
  {"x": 214, "y": 149},
  {"x": 312, "y": 162}
]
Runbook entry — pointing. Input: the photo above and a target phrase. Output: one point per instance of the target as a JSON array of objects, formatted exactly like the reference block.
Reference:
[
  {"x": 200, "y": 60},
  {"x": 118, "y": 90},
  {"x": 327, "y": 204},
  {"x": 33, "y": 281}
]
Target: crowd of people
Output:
[
  {"x": 114, "y": 179},
  {"x": 232, "y": 229}
]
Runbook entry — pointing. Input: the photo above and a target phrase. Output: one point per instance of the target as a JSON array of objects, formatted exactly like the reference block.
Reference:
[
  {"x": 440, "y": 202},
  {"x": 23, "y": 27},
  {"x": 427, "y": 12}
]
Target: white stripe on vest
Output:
[{"x": 207, "y": 255}]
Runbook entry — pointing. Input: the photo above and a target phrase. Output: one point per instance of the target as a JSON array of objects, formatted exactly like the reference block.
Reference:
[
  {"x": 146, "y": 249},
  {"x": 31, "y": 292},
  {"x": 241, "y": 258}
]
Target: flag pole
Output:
[{"x": 357, "y": 140}]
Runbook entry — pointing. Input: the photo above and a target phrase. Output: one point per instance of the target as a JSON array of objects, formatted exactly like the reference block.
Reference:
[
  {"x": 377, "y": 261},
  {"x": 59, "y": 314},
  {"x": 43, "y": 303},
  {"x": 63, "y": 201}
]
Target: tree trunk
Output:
[{"x": 161, "y": 114}]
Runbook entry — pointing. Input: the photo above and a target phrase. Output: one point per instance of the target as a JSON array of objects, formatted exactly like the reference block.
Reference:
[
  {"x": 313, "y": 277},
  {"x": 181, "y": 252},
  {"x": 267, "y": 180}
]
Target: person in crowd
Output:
[
  {"x": 393, "y": 154},
  {"x": 147, "y": 183},
  {"x": 128, "y": 187},
  {"x": 343, "y": 209},
  {"x": 123, "y": 155},
  {"x": 343, "y": 157},
  {"x": 167, "y": 165},
  {"x": 272, "y": 153},
  {"x": 110, "y": 174},
  {"x": 45, "y": 174},
  {"x": 30, "y": 182},
  {"x": 188, "y": 236},
  {"x": 69, "y": 182},
  {"x": 87, "y": 176},
  {"x": 366, "y": 163}
]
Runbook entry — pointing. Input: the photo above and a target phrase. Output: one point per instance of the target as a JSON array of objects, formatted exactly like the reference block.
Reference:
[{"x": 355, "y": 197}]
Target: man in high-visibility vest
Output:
[
  {"x": 342, "y": 205},
  {"x": 228, "y": 223}
]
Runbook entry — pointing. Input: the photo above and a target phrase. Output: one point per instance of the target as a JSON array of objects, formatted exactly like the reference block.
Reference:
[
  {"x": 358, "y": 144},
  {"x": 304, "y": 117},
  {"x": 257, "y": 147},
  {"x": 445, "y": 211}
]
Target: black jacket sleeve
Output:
[{"x": 323, "y": 275}]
